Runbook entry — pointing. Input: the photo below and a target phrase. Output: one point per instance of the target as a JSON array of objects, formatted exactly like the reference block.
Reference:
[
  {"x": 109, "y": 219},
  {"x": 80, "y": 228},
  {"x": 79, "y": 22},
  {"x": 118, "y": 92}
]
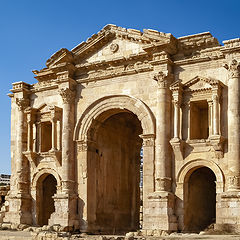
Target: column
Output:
[
  {"x": 39, "y": 137},
  {"x": 53, "y": 121},
  {"x": 22, "y": 103},
  {"x": 176, "y": 119},
  {"x": 34, "y": 138},
  {"x": 29, "y": 124},
  {"x": 58, "y": 135},
  {"x": 234, "y": 125},
  {"x": 210, "y": 116},
  {"x": 215, "y": 114},
  {"x": 163, "y": 167},
  {"x": 67, "y": 127}
]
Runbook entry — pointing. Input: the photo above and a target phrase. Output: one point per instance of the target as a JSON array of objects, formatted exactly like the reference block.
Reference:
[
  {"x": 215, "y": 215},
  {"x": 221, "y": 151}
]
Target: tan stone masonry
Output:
[{"x": 77, "y": 134}]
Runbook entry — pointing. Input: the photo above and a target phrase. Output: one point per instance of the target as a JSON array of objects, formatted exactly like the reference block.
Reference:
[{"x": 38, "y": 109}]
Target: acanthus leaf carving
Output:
[
  {"x": 67, "y": 95},
  {"x": 162, "y": 79},
  {"x": 22, "y": 103},
  {"x": 233, "y": 68}
]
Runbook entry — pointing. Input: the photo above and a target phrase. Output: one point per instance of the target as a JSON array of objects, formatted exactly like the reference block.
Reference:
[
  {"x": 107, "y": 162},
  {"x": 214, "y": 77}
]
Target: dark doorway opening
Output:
[
  {"x": 114, "y": 175},
  {"x": 47, "y": 190},
  {"x": 200, "y": 200}
]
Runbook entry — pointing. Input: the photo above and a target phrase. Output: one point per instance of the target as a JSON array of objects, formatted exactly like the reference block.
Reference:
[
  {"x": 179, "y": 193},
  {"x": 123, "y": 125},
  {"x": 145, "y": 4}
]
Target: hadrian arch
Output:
[
  {"x": 200, "y": 182},
  {"x": 109, "y": 136}
]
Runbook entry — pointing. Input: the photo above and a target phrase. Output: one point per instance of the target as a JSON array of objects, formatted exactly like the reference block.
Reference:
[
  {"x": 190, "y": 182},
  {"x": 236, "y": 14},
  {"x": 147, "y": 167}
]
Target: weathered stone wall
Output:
[{"x": 62, "y": 123}]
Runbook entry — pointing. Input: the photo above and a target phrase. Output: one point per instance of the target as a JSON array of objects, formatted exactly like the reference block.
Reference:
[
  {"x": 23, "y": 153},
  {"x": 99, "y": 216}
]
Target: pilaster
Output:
[{"x": 19, "y": 198}]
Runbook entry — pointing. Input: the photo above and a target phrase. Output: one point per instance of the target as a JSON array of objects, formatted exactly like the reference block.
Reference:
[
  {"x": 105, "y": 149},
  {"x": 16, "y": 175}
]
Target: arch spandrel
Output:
[{"x": 107, "y": 105}]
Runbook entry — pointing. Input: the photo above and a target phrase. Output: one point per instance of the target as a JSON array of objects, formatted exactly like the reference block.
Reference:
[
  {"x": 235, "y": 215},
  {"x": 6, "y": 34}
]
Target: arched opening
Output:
[
  {"x": 47, "y": 187},
  {"x": 113, "y": 164},
  {"x": 200, "y": 199}
]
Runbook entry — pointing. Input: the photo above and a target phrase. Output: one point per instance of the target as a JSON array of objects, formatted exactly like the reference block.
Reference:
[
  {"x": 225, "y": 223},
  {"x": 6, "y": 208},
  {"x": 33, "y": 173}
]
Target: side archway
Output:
[
  {"x": 186, "y": 171},
  {"x": 198, "y": 183},
  {"x": 42, "y": 174}
]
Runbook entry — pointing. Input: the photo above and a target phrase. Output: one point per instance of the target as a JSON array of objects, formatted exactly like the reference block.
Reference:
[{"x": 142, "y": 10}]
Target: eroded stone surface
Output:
[{"x": 94, "y": 108}]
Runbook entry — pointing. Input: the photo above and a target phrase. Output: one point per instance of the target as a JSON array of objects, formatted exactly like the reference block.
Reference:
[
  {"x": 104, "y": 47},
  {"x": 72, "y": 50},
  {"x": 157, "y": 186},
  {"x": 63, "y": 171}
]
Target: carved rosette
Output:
[
  {"x": 161, "y": 78},
  {"x": 233, "y": 69},
  {"x": 67, "y": 95},
  {"x": 22, "y": 103}
]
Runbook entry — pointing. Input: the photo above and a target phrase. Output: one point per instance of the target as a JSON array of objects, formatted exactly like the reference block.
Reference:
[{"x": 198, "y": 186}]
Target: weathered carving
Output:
[
  {"x": 162, "y": 79},
  {"x": 163, "y": 184},
  {"x": 114, "y": 47},
  {"x": 233, "y": 68},
  {"x": 234, "y": 182},
  {"x": 22, "y": 103},
  {"x": 67, "y": 95}
]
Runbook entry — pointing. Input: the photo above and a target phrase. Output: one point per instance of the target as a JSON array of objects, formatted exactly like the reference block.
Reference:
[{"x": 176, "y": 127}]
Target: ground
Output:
[{"x": 19, "y": 235}]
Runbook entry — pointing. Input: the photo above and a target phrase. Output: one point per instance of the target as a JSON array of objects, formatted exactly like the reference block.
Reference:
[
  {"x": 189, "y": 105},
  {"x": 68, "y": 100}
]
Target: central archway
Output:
[
  {"x": 114, "y": 174},
  {"x": 108, "y": 147}
]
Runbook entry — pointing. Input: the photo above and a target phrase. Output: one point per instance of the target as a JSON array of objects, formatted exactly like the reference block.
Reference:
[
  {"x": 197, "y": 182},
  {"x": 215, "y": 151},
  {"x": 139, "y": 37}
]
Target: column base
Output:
[
  {"x": 20, "y": 206},
  {"x": 158, "y": 213},
  {"x": 227, "y": 212},
  {"x": 65, "y": 211}
]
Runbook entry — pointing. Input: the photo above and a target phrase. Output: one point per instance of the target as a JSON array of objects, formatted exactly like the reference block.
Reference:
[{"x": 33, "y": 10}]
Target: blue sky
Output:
[{"x": 31, "y": 31}]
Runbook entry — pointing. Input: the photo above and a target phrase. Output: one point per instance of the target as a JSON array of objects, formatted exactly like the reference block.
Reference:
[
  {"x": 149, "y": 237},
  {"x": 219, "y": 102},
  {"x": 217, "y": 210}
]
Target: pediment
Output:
[
  {"x": 109, "y": 43},
  {"x": 115, "y": 42},
  {"x": 200, "y": 83}
]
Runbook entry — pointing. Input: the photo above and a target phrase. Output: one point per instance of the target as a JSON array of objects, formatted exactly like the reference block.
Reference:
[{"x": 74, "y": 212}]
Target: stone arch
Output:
[
  {"x": 42, "y": 173},
  {"x": 186, "y": 171},
  {"x": 107, "y": 105},
  {"x": 90, "y": 149}
]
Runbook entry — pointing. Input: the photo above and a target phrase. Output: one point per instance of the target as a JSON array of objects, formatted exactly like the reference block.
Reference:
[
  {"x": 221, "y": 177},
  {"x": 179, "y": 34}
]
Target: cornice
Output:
[
  {"x": 230, "y": 46},
  {"x": 204, "y": 55},
  {"x": 20, "y": 87}
]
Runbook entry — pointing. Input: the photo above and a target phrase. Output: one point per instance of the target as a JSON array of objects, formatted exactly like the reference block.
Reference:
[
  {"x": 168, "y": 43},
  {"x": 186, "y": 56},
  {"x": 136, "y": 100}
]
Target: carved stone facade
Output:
[{"x": 78, "y": 132}]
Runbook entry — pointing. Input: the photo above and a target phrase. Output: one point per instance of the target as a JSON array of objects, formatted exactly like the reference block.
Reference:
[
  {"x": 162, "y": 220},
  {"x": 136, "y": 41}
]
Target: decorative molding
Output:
[
  {"x": 233, "y": 69},
  {"x": 22, "y": 103},
  {"x": 162, "y": 79},
  {"x": 114, "y": 47},
  {"x": 67, "y": 95},
  {"x": 148, "y": 140}
]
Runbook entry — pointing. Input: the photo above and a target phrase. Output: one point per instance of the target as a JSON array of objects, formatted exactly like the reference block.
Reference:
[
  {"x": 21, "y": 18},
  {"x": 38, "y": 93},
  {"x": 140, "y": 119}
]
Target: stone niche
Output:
[
  {"x": 197, "y": 107},
  {"x": 44, "y": 127}
]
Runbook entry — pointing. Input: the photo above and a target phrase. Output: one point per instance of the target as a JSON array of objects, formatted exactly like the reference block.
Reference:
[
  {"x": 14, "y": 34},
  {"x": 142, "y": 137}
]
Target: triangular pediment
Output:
[
  {"x": 109, "y": 43},
  {"x": 200, "y": 83},
  {"x": 113, "y": 41}
]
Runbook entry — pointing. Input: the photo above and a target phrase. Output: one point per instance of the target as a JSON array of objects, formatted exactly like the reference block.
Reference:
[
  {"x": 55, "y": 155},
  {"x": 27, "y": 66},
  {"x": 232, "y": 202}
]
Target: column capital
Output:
[
  {"x": 162, "y": 79},
  {"x": 233, "y": 68},
  {"x": 233, "y": 183},
  {"x": 67, "y": 95},
  {"x": 22, "y": 103},
  {"x": 148, "y": 140}
]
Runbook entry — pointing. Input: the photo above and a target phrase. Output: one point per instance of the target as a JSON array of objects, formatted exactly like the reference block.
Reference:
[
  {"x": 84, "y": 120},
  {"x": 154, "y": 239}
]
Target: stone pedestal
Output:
[
  {"x": 227, "y": 212},
  {"x": 19, "y": 209},
  {"x": 159, "y": 212},
  {"x": 65, "y": 211}
]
